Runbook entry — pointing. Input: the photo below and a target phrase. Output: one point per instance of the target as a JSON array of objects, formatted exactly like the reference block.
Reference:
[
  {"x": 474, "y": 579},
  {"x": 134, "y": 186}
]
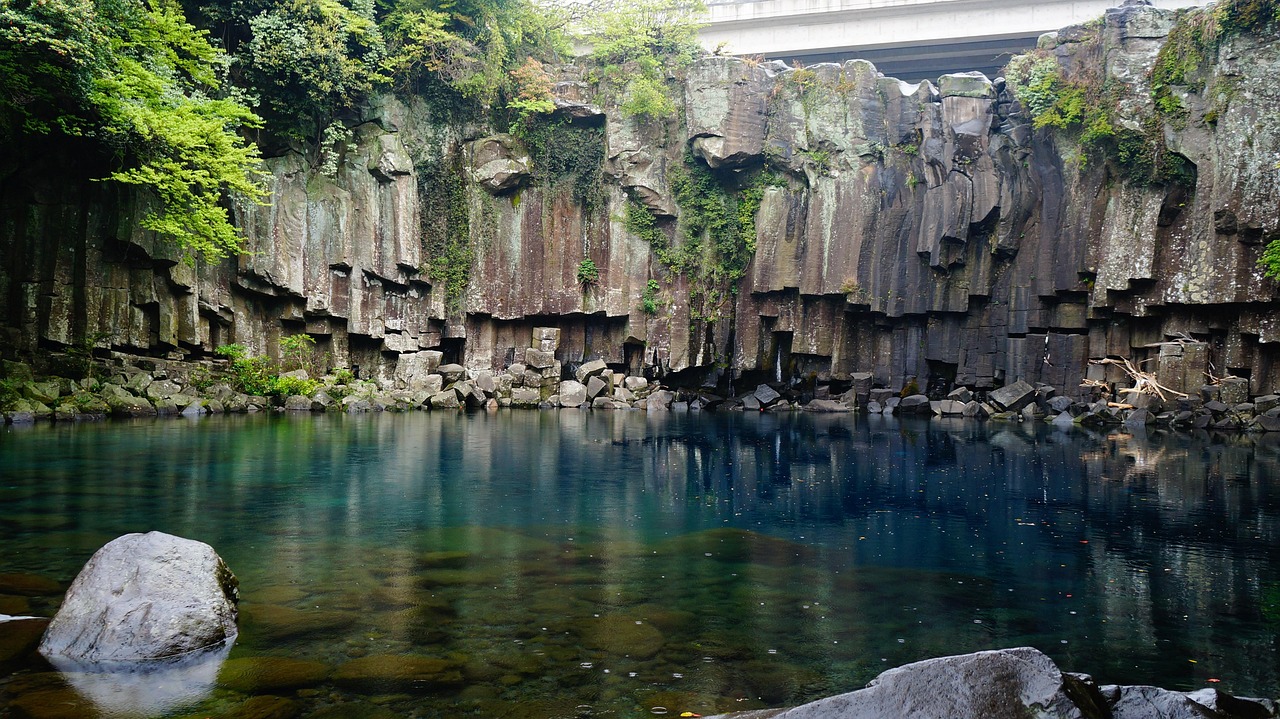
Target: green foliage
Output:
[
  {"x": 282, "y": 386},
  {"x": 1270, "y": 260},
  {"x": 297, "y": 349},
  {"x": 446, "y": 228},
  {"x": 531, "y": 91},
  {"x": 344, "y": 376},
  {"x": 588, "y": 274},
  {"x": 1052, "y": 101},
  {"x": 141, "y": 84},
  {"x": 636, "y": 43},
  {"x": 10, "y": 393},
  {"x": 717, "y": 233},
  {"x": 253, "y": 375},
  {"x": 232, "y": 351},
  {"x": 478, "y": 47},
  {"x": 260, "y": 377},
  {"x": 649, "y": 298},
  {"x": 565, "y": 153}
]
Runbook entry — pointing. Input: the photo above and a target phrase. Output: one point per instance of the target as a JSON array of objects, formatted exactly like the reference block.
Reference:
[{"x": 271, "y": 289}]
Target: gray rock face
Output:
[
  {"x": 572, "y": 394},
  {"x": 144, "y": 597}
]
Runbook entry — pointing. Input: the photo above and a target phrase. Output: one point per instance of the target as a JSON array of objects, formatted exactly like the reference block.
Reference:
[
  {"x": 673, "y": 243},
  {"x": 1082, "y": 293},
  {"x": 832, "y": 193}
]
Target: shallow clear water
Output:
[{"x": 565, "y": 564}]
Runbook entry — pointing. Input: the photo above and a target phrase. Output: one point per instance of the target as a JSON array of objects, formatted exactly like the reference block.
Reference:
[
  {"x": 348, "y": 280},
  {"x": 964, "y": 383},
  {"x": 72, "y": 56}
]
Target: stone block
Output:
[
  {"x": 538, "y": 359},
  {"x": 766, "y": 395},
  {"x": 590, "y": 369},
  {"x": 596, "y": 387},
  {"x": 1013, "y": 397},
  {"x": 573, "y": 394},
  {"x": 1234, "y": 390}
]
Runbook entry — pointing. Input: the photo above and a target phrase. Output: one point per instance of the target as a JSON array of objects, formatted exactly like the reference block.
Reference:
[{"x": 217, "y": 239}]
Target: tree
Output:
[{"x": 141, "y": 83}]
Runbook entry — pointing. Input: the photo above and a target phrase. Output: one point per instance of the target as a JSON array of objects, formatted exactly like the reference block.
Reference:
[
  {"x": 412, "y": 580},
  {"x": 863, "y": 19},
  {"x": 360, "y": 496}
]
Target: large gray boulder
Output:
[
  {"x": 1012, "y": 684},
  {"x": 1002, "y": 684},
  {"x": 145, "y": 597}
]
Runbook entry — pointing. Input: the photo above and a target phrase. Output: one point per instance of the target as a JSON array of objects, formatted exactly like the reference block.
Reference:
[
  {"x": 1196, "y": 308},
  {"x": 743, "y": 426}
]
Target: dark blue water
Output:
[{"x": 604, "y": 564}]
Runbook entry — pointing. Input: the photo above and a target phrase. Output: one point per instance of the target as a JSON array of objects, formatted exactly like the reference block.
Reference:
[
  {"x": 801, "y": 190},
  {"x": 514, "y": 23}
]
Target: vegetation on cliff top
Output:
[{"x": 144, "y": 86}]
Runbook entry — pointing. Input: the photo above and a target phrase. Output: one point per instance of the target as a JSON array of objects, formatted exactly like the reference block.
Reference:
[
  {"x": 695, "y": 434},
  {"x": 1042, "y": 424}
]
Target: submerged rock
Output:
[{"x": 143, "y": 597}]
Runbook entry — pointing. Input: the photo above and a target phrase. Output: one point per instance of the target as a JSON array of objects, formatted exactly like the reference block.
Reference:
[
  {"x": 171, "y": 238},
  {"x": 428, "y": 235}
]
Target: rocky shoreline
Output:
[{"x": 123, "y": 385}]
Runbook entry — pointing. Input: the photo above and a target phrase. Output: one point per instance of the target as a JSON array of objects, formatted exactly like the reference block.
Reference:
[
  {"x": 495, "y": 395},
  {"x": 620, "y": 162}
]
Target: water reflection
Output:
[
  {"x": 704, "y": 563},
  {"x": 143, "y": 689}
]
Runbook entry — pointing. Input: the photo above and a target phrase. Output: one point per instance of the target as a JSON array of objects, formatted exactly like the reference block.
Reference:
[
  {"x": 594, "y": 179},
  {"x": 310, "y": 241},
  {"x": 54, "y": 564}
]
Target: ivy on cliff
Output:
[
  {"x": 1086, "y": 107},
  {"x": 142, "y": 85},
  {"x": 446, "y": 227},
  {"x": 716, "y": 230}
]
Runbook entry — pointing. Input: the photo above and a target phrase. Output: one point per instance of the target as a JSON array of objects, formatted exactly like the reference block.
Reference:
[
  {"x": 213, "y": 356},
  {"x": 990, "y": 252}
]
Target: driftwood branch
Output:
[{"x": 1143, "y": 382}]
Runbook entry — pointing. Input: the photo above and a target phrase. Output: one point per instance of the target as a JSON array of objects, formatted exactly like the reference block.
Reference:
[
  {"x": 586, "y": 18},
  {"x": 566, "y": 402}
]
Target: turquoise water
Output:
[{"x": 566, "y": 564}]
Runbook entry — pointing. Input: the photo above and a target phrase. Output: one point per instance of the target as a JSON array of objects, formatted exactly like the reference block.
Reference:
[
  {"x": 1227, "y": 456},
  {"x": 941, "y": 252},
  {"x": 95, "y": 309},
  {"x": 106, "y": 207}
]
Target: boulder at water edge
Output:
[
  {"x": 1011, "y": 684},
  {"x": 143, "y": 597}
]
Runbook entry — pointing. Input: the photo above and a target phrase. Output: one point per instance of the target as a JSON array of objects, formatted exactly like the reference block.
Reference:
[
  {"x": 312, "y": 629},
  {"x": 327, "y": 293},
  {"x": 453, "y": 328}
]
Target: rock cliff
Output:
[{"x": 924, "y": 232}]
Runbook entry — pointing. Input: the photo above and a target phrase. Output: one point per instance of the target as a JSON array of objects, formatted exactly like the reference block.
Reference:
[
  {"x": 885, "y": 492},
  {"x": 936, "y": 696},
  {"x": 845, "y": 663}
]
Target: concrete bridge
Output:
[{"x": 909, "y": 39}]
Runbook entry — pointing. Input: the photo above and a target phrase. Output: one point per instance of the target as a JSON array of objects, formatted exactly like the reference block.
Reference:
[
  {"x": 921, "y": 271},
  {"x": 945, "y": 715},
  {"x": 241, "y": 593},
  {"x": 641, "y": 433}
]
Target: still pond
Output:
[{"x": 596, "y": 564}]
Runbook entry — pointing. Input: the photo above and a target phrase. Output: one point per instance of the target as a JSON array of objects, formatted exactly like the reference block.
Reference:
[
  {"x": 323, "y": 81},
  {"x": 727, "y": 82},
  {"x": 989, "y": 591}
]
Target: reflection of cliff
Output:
[{"x": 905, "y": 231}]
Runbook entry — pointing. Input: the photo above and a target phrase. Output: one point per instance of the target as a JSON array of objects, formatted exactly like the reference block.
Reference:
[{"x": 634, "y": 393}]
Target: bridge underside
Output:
[
  {"x": 909, "y": 39},
  {"x": 914, "y": 63}
]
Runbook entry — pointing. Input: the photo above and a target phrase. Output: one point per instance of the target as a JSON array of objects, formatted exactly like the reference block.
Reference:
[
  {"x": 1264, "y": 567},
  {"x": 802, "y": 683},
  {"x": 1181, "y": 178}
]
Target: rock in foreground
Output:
[
  {"x": 143, "y": 597},
  {"x": 1010, "y": 684}
]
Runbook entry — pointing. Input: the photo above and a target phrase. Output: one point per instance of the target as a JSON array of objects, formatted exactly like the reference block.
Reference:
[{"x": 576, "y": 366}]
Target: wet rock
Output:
[
  {"x": 913, "y": 405},
  {"x": 660, "y": 400},
  {"x": 1143, "y": 702},
  {"x": 766, "y": 395},
  {"x": 1242, "y": 707},
  {"x": 257, "y": 675},
  {"x": 596, "y": 387},
  {"x": 825, "y": 406},
  {"x": 961, "y": 395},
  {"x": 1059, "y": 404},
  {"x": 145, "y": 596},
  {"x": 1001, "y": 684},
  {"x": 380, "y": 673},
  {"x": 525, "y": 397},
  {"x": 1233, "y": 391},
  {"x": 451, "y": 373},
  {"x": 948, "y": 408},
  {"x": 1139, "y": 418}
]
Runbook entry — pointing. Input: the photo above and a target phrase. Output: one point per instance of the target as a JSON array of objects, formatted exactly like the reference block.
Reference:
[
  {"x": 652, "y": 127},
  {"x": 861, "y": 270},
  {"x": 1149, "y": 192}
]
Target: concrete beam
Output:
[{"x": 786, "y": 28}]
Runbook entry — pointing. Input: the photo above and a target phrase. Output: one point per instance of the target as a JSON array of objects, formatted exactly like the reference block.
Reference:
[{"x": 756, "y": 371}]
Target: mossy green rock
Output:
[
  {"x": 354, "y": 710},
  {"x": 265, "y": 707},
  {"x": 29, "y": 585},
  {"x": 387, "y": 672},
  {"x": 19, "y": 638},
  {"x": 622, "y": 636},
  {"x": 255, "y": 675},
  {"x": 270, "y": 622}
]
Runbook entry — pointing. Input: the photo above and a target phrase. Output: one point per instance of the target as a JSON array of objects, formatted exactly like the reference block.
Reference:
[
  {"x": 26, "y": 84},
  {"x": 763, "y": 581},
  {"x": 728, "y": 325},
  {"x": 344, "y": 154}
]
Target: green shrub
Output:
[
  {"x": 649, "y": 298},
  {"x": 588, "y": 273},
  {"x": 283, "y": 386}
]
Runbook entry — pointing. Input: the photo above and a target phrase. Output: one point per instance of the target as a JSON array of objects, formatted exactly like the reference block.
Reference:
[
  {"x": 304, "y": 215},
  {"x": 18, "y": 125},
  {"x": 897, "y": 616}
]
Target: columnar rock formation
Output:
[{"x": 906, "y": 231}]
